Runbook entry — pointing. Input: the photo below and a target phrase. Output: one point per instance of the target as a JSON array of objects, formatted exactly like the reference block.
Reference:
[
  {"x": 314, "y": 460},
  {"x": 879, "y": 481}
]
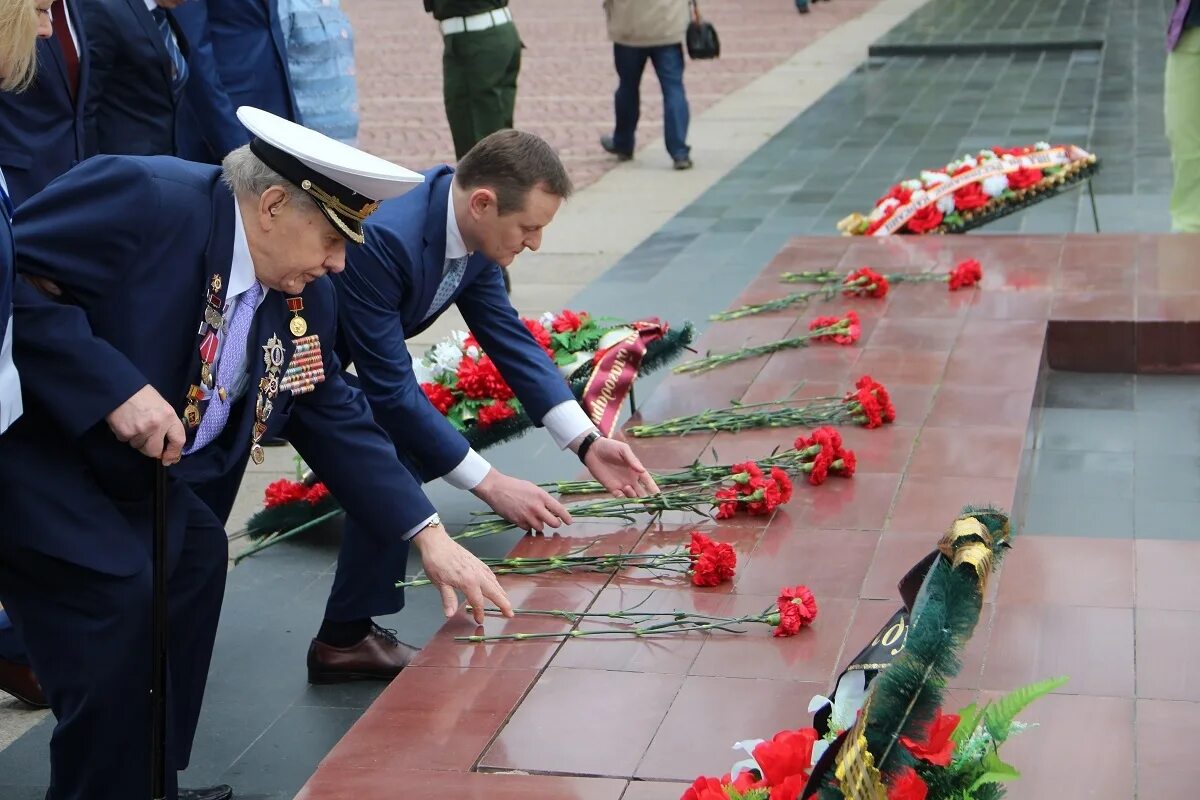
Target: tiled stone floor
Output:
[{"x": 1111, "y": 609}]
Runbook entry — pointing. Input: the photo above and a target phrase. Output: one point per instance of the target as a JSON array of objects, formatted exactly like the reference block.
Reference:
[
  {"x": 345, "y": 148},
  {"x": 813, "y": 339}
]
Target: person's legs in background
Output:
[
  {"x": 630, "y": 63},
  {"x": 668, "y": 64},
  {"x": 479, "y": 83},
  {"x": 1181, "y": 93},
  {"x": 802, "y": 6}
]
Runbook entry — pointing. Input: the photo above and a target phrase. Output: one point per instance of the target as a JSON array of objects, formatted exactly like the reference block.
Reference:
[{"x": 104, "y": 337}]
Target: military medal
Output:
[
  {"x": 307, "y": 367},
  {"x": 267, "y": 387},
  {"x": 215, "y": 283},
  {"x": 297, "y": 326},
  {"x": 191, "y": 414}
]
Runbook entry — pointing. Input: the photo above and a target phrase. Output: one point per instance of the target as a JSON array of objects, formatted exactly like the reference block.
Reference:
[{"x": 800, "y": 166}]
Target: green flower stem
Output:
[
  {"x": 684, "y": 622},
  {"x": 678, "y": 560},
  {"x": 819, "y": 411},
  {"x": 709, "y": 363},
  {"x": 780, "y": 304},
  {"x": 823, "y": 276},
  {"x": 275, "y": 538}
]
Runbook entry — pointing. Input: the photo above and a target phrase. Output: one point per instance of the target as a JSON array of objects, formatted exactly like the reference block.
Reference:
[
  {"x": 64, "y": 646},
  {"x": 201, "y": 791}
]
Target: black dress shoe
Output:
[
  {"x": 221, "y": 792},
  {"x": 380, "y": 656},
  {"x": 622, "y": 155},
  {"x": 18, "y": 680},
  {"x": 683, "y": 163}
]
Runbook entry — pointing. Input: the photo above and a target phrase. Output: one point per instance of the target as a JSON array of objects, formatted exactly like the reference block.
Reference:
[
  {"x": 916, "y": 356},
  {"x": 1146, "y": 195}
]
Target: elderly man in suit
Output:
[
  {"x": 139, "y": 69},
  {"x": 447, "y": 242},
  {"x": 41, "y": 129},
  {"x": 202, "y": 360},
  {"x": 238, "y": 57}
]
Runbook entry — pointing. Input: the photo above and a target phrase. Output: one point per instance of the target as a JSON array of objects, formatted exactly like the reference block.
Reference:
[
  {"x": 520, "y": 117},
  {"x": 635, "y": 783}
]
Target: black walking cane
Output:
[{"x": 158, "y": 638}]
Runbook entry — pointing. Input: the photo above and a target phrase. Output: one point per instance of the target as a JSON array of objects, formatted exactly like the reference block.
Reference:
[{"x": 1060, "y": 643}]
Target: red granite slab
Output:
[{"x": 962, "y": 368}]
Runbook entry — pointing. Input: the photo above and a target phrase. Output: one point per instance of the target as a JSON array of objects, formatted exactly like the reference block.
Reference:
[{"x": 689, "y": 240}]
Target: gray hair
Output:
[{"x": 246, "y": 175}]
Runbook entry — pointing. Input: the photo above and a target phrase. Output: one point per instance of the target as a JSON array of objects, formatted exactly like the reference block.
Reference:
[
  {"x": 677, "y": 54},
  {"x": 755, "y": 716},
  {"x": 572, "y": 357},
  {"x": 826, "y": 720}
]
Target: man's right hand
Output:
[
  {"x": 149, "y": 425},
  {"x": 525, "y": 505},
  {"x": 452, "y": 568}
]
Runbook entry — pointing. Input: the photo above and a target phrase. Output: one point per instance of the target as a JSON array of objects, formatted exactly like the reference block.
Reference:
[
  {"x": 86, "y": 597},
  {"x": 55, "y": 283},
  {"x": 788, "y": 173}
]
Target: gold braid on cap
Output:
[{"x": 336, "y": 205}]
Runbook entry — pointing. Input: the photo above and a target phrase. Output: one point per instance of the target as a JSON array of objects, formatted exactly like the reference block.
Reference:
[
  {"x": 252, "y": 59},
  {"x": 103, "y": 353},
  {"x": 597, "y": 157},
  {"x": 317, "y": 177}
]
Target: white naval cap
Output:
[{"x": 346, "y": 182}]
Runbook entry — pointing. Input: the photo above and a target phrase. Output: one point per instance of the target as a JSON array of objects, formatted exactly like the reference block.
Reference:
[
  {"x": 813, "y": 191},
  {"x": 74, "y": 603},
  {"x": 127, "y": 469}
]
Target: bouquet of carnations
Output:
[{"x": 973, "y": 190}]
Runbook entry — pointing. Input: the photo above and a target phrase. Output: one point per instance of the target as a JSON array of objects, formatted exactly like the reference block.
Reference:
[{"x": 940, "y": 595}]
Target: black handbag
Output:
[{"x": 702, "y": 39}]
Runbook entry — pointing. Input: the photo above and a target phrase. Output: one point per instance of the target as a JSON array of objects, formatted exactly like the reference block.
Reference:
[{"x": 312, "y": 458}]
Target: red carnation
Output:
[
  {"x": 926, "y": 219},
  {"x": 865, "y": 282},
  {"x": 937, "y": 747},
  {"x": 699, "y": 543},
  {"x": 898, "y": 193},
  {"x": 705, "y": 789},
  {"x": 802, "y": 599},
  {"x": 765, "y": 497},
  {"x": 784, "y": 483},
  {"x": 316, "y": 493},
  {"x": 848, "y": 464},
  {"x": 715, "y": 565},
  {"x": 871, "y": 409},
  {"x": 496, "y": 412},
  {"x": 470, "y": 342},
  {"x": 727, "y": 503},
  {"x": 480, "y": 380},
  {"x": 540, "y": 334},
  {"x": 850, "y": 322},
  {"x": 282, "y": 492},
  {"x": 745, "y": 471},
  {"x": 967, "y": 273},
  {"x": 1024, "y": 178},
  {"x": 971, "y": 197},
  {"x": 569, "y": 321},
  {"x": 886, "y": 409},
  {"x": 787, "y": 754},
  {"x": 745, "y": 782},
  {"x": 907, "y": 786},
  {"x": 441, "y": 397}
]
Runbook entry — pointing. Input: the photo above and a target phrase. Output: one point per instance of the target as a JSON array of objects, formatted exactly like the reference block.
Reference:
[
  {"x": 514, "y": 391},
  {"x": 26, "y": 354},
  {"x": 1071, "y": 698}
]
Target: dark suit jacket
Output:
[
  {"x": 41, "y": 129},
  {"x": 383, "y": 296},
  {"x": 131, "y": 109},
  {"x": 67, "y": 486},
  {"x": 238, "y": 58}
]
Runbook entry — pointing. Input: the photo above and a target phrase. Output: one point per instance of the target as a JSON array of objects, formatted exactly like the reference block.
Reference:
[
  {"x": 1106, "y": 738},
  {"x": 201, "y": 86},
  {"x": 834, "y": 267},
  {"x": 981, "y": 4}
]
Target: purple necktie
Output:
[
  {"x": 230, "y": 364},
  {"x": 1175, "y": 26}
]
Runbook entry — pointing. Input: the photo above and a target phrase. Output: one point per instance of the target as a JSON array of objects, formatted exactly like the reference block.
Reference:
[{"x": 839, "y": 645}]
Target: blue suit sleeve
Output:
[
  {"x": 333, "y": 430},
  {"x": 214, "y": 111},
  {"x": 78, "y": 377},
  {"x": 503, "y": 336},
  {"x": 369, "y": 295}
]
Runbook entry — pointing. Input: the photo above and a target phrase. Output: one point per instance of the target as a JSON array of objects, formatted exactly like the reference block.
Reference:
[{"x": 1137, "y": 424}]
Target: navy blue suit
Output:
[
  {"x": 74, "y": 553},
  {"x": 383, "y": 298},
  {"x": 238, "y": 58},
  {"x": 42, "y": 128},
  {"x": 131, "y": 104}
]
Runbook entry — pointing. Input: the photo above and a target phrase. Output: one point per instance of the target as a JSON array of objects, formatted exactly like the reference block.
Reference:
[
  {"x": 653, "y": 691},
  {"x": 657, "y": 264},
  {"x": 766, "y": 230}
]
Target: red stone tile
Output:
[
  {"x": 929, "y": 504},
  {"x": 1166, "y": 574},
  {"x": 1095, "y": 279},
  {"x": 1093, "y": 305},
  {"x": 810, "y": 655},
  {"x": 622, "y": 710},
  {"x": 886, "y": 449},
  {"x": 390, "y": 782},
  {"x": 896, "y": 365},
  {"x": 1166, "y": 757},
  {"x": 1094, "y": 646},
  {"x": 711, "y": 713},
  {"x": 655, "y": 790},
  {"x": 664, "y": 453},
  {"x": 445, "y": 651},
  {"x": 969, "y": 452},
  {"x": 1083, "y": 346},
  {"x": 1083, "y": 747},
  {"x": 860, "y": 504},
  {"x": 831, "y": 563},
  {"x": 676, "y": 399},
  {"x": 999, "y": 364},
  {"x": 896, "y": 554},
  {"x": 1168, "y": 307},
  {"x": 751, "y": 445},
  {"x": 1026, "y": 303},
  {"x": 770, "y": 391},
  {"x": 1055, "y": 570},
  {"x": 926, "y": 300},
  {"x": 1167, "y": 347},
  {"x": 1100, "y": 253},
  {"x": 816, "y": 363},
  {"x": 432, "y": 718},
  {"x": 1168, "y": 654},
  {"x": 959, "y": 406},
  {"x": 936, "y": 335},
  {"x": 979, "y": 330},
  {"x": 912, "y": 402},
  {"x": 668, "y": 654},
  {"x": 745, "y": 332}
]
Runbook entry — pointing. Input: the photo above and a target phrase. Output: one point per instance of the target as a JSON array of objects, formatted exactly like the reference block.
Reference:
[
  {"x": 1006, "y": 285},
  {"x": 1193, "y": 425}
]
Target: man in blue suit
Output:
[
  {"x": 138, "y": 71},
  {"x": 445, "y": 242},
  {"x": 42, "y": 129},
  {"x": 203, "y": 360},
  {"x": 238, "y": 58}
]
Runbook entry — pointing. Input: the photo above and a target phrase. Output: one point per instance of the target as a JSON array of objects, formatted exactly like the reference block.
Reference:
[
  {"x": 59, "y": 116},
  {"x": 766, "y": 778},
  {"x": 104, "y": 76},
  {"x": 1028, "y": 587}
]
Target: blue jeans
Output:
[{"x": 668, "y": 65}]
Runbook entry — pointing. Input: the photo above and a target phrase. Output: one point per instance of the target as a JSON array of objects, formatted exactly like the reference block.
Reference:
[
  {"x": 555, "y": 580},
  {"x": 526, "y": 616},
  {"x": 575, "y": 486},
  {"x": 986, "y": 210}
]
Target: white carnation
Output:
[
  {"x": 1042, "y": 146},
  {"x": 932, "y": 179},
  {"x": 423, "y": 372},
  {"x": 911, "y": 183},
  {"x": 883, "y": 209},
  {"x": 946, "y": 204},
  {"x": 547, "y": 320},
  {"x": 444, "y": 357},
  {"x": 995, "y": 185},
  {"x": 473, "y": 352},
  {"x": 459, "y": 338},
  {"x": 969, "y": 162},
  {"x": 987, "y": 155}
]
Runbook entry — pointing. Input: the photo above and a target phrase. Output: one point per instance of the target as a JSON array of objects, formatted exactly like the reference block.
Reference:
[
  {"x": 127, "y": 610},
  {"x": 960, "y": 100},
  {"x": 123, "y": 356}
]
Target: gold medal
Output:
[
  {"x": 213, "y": 317},
  {"x": 206, "y": 376},
  {"x": 215, "y": 283},
  {"x": 191, "y": 415},
  {"x": 298, "y": 326},
  {"x": 257, "y": 455}
]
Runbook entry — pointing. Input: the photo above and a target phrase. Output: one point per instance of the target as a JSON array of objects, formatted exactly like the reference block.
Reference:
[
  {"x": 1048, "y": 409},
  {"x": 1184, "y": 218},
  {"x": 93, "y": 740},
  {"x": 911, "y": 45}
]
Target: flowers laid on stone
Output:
[
  {"x": 798, "y": 600},
  {"x": 973, "y": 190},
  {"x": 840, "y": 330},
  {"x": 869, "y": 405}
]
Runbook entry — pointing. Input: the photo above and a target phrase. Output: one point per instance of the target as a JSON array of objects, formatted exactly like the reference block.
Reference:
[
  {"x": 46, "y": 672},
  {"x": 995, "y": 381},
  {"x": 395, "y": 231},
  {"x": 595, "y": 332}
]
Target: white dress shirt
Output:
[
  {"x": 10, "y": 381},
  {"x": 566, "y": 422},
  {"x": 241, "y": 278}
]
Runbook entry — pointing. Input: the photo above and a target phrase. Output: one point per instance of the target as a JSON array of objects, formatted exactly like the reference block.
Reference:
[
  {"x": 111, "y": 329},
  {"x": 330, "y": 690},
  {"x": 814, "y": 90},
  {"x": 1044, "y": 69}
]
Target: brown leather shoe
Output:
[
  {"x": 19, "y": 681},
  {"x": 378, "y": 657}
]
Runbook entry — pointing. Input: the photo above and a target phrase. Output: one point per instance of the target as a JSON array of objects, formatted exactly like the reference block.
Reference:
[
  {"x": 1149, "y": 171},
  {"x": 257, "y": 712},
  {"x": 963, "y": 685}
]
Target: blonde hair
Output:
[{"x": 18, "y": 44}]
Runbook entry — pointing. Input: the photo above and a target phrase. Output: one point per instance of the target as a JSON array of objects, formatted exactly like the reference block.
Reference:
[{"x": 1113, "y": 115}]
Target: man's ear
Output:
[
  {"x": 481, "y": 201},
  {"x": 270, "y": 204}
]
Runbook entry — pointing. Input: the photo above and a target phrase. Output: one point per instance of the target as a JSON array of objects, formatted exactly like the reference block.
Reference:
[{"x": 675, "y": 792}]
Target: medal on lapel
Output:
[
  {"x": 267, "y": 388},
  {"x": 306, "y": 368},
  {"x": 297, "y": 326},
  {"x": 191, "y": 414},
  {"x": 213, "y": 319}
]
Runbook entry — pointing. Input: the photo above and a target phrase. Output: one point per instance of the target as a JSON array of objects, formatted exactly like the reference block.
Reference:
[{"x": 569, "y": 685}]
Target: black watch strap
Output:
[{"x": 586, "y": 445}]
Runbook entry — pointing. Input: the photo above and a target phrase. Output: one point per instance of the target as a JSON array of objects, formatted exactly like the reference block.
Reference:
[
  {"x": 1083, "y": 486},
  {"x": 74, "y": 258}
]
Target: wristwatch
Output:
[
  {"x": 434, "y": 522},
  {"x": 586, "y": 445}
]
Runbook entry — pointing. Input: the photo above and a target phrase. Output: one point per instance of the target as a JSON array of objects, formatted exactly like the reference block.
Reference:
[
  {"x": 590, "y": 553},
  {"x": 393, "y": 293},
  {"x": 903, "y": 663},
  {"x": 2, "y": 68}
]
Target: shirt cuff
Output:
[
  {"x": 469, "y": 473},
  {"x": 414, "y": 531},
  {"x": 566, "y": 423}
]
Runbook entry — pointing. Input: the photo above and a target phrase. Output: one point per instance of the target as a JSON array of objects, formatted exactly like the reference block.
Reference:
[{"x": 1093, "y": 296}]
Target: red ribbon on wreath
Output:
[{"x": 614, "y": 372}]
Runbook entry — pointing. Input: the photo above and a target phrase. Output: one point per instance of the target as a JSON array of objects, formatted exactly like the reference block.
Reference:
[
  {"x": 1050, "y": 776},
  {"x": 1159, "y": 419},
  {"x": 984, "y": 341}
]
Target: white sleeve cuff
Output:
[
  {"x": 566, "y": 422},
  {"x": 414, "y": 531},
  {"x": 469, "y": 472}
]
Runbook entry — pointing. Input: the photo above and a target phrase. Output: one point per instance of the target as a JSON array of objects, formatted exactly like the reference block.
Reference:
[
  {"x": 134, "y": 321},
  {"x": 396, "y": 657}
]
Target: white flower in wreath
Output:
[
  {"x": 912, "y": 184},
  {"x": 995, "y": 185},
  {"x": 459, "y": 338},
  {"x": 423, "y": 372},
  {"x": 883, "y": 209},
  {"x": 747, "y": 764},
  {"x": 444, "y": 357},
  {"x": 970, "y": 162},
  {"x": 945, "y": 204},
  {"x": 931, "y": 179},
  {"x": 987, "y": 155},
  {"x": 547, "y": 320},
  {"x": 919, "y": 198},
  {"x": 473, "y": 352},
  {"x": 1042, "y": 146}
]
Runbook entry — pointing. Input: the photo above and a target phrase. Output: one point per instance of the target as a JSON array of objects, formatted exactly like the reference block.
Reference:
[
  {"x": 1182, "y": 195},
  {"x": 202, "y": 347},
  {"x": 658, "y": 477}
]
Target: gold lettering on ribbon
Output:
[{"x": 614, "y": 372}]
